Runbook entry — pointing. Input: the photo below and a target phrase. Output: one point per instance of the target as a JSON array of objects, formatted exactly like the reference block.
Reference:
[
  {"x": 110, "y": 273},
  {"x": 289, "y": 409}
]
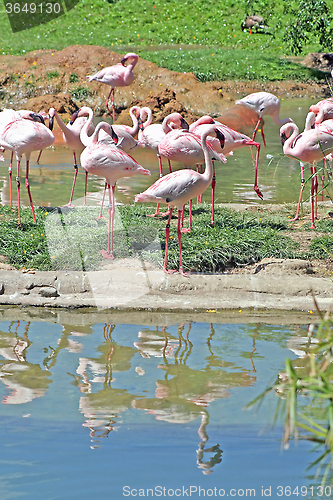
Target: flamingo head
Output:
[
  {"x": 140, "y": 122},
  {"x": 129, "y": 55},
  {"x": 50, "y": 116},
  {"x": 37, "y": 117},
  {"x": 220, "y": 137},
  {"x": 74, "y": 116}
]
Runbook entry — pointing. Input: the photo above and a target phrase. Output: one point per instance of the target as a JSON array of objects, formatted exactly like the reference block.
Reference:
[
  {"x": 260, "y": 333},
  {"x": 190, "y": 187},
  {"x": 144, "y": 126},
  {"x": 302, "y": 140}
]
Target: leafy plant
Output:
[
  {"x": 73, "y": 77},
  {"x": 80, "y": 93},
  {"x": 309, "y": 18},
  {"x": 52, "y": 74},
  {"x": 313, "y": 418}
]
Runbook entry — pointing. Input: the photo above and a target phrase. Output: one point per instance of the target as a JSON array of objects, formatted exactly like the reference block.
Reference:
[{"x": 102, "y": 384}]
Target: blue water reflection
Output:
[{"x": 103, "y": 410}]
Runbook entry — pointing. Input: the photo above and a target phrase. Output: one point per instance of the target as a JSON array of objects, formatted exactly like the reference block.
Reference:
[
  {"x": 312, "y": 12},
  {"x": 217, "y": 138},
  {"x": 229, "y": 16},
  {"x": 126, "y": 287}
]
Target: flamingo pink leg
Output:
[
  {"x": 10, "y": 179},
  {"x": 323, "y": 180},
  {"x": 18, "y": 190},
  {"x": 256, "y": 188},
  {"x": 260, "y": 122},
  {"x": 70, "y": 203},
  {"x": 100, "y": 216},
  {"x": 39, "y": 155},
  {"x": 314, "y": 189},
  {"x": 85, "y": 190},
  {"x": 109, "y": 253},
  {"x": 300, "y": 193},
  {"x": 167, "y": 234},
  {"x": 161, "y": 175},
  {"x": 183, "y": 229},
  {"x": 213, "y": 194},
  {"x": 111, "y": 94},
  {"x": 179, "y": 234},
  {"x": 27, "y": 185}
]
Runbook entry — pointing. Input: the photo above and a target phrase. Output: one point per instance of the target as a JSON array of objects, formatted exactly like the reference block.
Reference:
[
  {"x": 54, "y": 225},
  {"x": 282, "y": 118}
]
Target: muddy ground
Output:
[{"x": 42, "y": 79}]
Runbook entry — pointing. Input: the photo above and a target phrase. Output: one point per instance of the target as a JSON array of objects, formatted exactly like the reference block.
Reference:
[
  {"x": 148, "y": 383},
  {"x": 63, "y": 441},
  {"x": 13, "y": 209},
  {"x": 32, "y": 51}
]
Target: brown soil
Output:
[{"x": 43, "y": 79}]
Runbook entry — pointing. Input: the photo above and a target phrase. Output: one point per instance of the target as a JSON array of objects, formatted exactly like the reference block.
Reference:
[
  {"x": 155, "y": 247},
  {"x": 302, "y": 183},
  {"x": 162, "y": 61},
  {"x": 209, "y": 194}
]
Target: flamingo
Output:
[
  {"x": 125, "y": 135},
  {"x": 23, "y": 137},
  {"x": 7, "y": 116},
  {"x": 323, "y": 110},
  {"x": 308, "y": 147},
  {"x": 263, "y": 103},
  {"x": 118, "y": 75},
  {"x": 185, "y": 147},
  {"x": 103, "y": 159},
  {"x": 177, "y": 188},
  {"x": 233, "y": 140},
  {"x": 71, "y": 137},
  {"x": 151, "y": 134}
]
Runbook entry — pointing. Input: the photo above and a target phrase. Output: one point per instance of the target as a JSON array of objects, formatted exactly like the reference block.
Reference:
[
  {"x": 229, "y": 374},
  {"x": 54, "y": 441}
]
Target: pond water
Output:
[
  {"x": 110, "y": 405},
  {"x": 279, "y": 176}
]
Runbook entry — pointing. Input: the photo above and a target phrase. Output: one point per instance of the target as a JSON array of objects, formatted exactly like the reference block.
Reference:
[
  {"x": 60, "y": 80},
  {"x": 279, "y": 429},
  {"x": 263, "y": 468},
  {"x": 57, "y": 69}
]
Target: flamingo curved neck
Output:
[
  {"x": 84, "y": 137},
  {"x": 208, "y": 173}
]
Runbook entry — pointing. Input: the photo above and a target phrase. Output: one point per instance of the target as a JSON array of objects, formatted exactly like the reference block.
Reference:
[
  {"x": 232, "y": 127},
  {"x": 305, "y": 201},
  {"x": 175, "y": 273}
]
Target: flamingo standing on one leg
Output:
[
  {"x": 308, "y": 147},
  {"x": 177, "y": 188},
  {"x": 71, "y": 135},
  {"x": 118, "y": 75},
  {"x": 23, "y": 137},
  {"x": 263, "y": 103},
  {"x": 100, "y": 158},
  {"x": 151, "y": 134},
  {"x": 185, "y": 147}
]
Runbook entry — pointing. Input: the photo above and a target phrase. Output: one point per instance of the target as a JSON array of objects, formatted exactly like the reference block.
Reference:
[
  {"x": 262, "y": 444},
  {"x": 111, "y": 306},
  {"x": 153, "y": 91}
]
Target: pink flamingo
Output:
[
  {"x": 125, "y": 135},
  {"x": 7, "y": 116},
  {"x": 118, "y": 75},
  {"x": 233, "y": 140},
  {"x": 323, "y": 110},
  {"x": 151, "y": 134},
  {"x": 71, "y": 137},
  {"x": 185, "y": 147},
  {"x": 102, "y": 159},
  {"x": 263, "y": 103},
  {"x": 308, "y": 147},
  {"x": 22, "y": 137},
  {"x": 177, "y": 188}
]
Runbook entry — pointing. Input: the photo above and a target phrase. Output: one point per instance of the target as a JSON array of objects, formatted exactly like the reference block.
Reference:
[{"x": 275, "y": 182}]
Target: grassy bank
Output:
[
  {"x": 212, "y": 28},
  {"x": 73, "y": 239}
]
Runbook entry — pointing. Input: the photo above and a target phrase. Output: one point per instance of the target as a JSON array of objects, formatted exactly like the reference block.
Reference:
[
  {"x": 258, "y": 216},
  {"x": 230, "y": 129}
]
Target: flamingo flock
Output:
[{"x": 105, "y": 150}]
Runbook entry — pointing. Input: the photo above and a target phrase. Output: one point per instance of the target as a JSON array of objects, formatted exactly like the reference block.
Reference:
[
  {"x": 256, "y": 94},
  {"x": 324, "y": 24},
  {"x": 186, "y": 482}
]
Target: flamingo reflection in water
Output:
[
  {"x": 184, "y": 393},
  {"x": 101, "y": 409},
  {"x": 26, "y": 381}
]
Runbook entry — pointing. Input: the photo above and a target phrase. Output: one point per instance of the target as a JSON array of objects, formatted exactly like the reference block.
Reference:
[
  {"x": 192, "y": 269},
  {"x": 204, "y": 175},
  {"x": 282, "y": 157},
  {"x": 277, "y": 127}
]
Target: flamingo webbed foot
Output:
[
  {"x": 106, "y": 255},
  {"x": 259, "y": 193}
]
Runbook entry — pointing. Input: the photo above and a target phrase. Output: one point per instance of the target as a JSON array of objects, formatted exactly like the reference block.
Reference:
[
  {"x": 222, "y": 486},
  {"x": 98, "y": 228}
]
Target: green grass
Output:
[
  {"x": 207, "y": 26},
  {"x": 73, "y": 239}
]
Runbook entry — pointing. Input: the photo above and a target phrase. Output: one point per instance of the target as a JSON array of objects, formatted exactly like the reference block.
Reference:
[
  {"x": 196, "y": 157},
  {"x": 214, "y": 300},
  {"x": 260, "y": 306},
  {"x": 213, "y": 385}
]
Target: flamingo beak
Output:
[
  {"x": 114, "y": 136},
  {"x": 51, "y": 122},
  {"x": 220, "y": 137},
  {"x": 74, "y": 116},
  {"x": 184, "y": 124},
  {"x": 124, "y": 59},
  {"x": 37, "y": 118},
  {"x": 140, "y": 122},
  {"x": 283, "y": 138}
]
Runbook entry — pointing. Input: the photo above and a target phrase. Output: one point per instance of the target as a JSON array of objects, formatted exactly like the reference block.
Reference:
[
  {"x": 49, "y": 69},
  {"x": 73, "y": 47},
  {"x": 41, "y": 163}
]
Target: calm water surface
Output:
[
  {"x": 111, "y": 409},
  {"x": 279, "y": 177}
]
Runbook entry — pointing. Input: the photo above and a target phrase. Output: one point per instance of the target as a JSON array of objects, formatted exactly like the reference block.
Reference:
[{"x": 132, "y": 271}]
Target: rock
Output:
[{"x": 48, "y": 292}]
